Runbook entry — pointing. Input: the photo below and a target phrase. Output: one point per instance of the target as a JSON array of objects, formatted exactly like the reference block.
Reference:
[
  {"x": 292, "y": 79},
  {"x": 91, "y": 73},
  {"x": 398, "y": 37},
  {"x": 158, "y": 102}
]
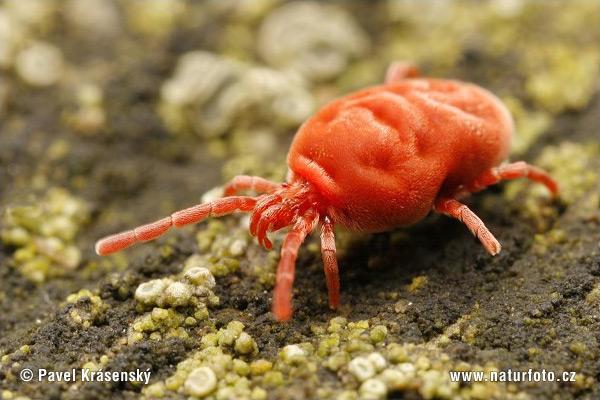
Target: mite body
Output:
[
  {"x": 381, "y": 156},
  {"x": 370, "y": 161}
]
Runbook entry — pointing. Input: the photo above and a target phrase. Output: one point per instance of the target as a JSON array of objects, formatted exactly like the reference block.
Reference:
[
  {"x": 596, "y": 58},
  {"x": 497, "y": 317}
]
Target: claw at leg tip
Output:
[
  {"x": 496, "y": 249},
  {"x": 282, "y": 315},
  {"x": 98, "y": 248}
]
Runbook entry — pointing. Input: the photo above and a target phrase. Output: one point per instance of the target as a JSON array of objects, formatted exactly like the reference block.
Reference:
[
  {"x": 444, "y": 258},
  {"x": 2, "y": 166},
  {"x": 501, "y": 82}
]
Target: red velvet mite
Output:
[{"x": 376, "y": 159}]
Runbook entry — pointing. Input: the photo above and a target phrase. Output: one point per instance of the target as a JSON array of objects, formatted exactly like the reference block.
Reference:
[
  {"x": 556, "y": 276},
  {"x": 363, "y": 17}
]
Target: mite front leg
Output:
[
  {"x": 192, "y": 215},
  {"x": 400, "y": 70},
  {"x": 514, "y": 170},
  {"x": 247, "y": 182},
  {"x": 330, "y": 264},
  {"x": 461, "y": 212},
  {"x": 284, "y": 280}
]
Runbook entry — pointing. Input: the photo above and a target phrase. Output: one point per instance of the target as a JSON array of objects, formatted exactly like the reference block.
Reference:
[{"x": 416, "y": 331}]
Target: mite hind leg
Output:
[
  {"x": 247, "y": 182},
  {"x": 461, "y": 212},
  {"x": 400, "y": 70},
  {"x": 519, "y": 169},
  {"x": 330, "y": 264},
  {"x": 448, "y": 205}
]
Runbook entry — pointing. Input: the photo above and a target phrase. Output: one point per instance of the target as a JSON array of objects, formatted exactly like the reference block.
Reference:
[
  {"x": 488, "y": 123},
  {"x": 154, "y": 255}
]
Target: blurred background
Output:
[{"x": 116, "y": 112}]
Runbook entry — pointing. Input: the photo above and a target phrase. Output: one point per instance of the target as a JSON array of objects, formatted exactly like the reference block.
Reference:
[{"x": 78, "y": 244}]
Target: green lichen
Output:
[
  {"x": 562, "y": 77},
  {"x": 292, "y": 354},
  {"x": 89, "y": 115},
  {"x": 200, "y": 382},
  {"x": 417, "y": 283},
  {"x": 593, "y": 297},
  {"x": 224, "y": 244},
  {"x": 575, "y": 167},
  {"x": 43, "y": 235},
  {"x": 211, "y": 95},
  {"x": 578, "y": 348},
  {"x": 378, "y": 334},
  {"x": 177, "y": 304},
  {"x": 366, "y": 371},
  {"x": 244, "y": 344},
  {"x": 220, "y": 368},
  {"x": 544, "y": 241},
  {"x": 154, "y": 18},
  {"x": 260, "y": 367},
  {"x": 89, "y": 308},
  {"x": 318, "y": 53},
  {"x": 436, "y": 35},
  {"x": 559, "y": 67},
  {"x": 529, "y": 124}
]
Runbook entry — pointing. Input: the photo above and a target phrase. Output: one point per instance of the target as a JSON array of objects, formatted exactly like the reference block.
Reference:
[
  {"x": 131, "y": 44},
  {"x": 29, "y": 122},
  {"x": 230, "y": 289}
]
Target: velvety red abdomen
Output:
[{"x": 381, "y": 156}]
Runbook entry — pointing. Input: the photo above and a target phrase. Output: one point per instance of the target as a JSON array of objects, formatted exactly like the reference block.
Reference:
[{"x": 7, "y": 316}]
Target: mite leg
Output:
[
  {"x": 282, "y": 295},
  {"x": 192, "y": 215},
  {"x": 514, "y": 170},
  {"x": 267, "y": 219},
  {"x": 246, "y": 182},
  {"x": 262, "y": 205},
  {"x": 461, "y": 212},
  {"x": 330, "y": 265},
  {"x": 400, "y": 70}
]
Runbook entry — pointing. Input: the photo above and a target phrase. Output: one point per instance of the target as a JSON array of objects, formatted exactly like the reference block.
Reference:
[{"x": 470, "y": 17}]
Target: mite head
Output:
[{"x": 283, "y": 207}]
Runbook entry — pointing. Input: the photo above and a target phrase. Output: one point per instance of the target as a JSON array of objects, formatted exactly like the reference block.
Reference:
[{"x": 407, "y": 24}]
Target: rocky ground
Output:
[{"x": 114, "y": 113}]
